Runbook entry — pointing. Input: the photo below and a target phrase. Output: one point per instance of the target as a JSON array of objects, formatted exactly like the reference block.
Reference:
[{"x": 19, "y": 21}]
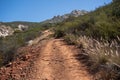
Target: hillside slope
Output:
[{"x": 103, "y": 22}]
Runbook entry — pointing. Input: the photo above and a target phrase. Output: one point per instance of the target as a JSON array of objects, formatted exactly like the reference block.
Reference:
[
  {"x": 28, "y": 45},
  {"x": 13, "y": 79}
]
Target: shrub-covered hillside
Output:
[
  {"x": 103, "y": 22},
  {"x": 10, "y": 44},
  {"x": 97, "y": 34}
]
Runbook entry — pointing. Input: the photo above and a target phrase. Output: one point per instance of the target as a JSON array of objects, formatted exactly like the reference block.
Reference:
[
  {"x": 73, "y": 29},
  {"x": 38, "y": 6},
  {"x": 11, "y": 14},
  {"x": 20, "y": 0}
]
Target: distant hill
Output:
[
  {"x": 103, "y": 22},
  {"x": 23, "y": 25},
  {"x": 74, "y": 13},
  {"x": 16, "y": 23}
]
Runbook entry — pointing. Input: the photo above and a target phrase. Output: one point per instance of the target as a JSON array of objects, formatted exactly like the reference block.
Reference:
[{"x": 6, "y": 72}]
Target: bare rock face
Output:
[
  {"x": 22, "y": 27},
  {"x": 5, "y": 31},
  {"x": 77, "y": 13}
]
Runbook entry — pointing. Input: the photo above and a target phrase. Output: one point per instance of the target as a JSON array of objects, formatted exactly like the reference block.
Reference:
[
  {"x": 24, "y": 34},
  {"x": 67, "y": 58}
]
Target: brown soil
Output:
[
  {"x": 57, "y": 62},
  {"x": 51, "y": 60}
]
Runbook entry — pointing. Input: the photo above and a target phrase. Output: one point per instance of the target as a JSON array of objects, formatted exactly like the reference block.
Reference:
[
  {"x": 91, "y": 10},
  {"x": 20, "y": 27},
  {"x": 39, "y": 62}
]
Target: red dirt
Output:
[
  {"x": 57, "y": 62},
  {"x": 52, "y": 61}
]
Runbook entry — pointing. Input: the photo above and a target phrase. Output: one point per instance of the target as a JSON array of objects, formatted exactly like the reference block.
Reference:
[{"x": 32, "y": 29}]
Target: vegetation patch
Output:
[
  {"x": 10, "y": 44},
  {"x": 98, "y": 35}
]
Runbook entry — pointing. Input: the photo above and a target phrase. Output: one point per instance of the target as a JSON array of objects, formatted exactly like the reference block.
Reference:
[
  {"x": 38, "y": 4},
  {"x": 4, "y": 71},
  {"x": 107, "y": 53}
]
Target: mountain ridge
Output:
[{"x": 60, "y": 18}]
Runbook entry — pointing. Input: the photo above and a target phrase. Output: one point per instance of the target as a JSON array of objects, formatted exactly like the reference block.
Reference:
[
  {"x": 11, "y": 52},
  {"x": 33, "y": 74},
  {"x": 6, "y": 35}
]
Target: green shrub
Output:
[
  {"x": 59, "y": 33},
  {"x": 10, "y": 44},
  {"x": 70, "y": 39}
]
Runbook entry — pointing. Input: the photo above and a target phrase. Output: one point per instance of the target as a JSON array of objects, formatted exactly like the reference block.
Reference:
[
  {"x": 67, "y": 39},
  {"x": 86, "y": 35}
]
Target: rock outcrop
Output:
[
  {"x": 22, "y": 27},
  {"x": 74, "y": 13},
  {"x": 5, "y": 31}
]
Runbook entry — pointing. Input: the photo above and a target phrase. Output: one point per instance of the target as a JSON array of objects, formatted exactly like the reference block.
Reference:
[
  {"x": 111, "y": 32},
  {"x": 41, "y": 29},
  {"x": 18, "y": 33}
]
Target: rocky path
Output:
[{"x": 57, "y": 62}]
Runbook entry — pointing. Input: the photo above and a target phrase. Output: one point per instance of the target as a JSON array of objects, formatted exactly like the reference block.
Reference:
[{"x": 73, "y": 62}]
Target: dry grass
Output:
[
  {"x": 103, "y": 52},
  {"x": 104, "y": 55}
]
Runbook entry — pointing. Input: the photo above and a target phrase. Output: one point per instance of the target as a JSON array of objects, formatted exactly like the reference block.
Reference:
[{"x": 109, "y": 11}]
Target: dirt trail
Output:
[
  {"x": 46, "y": 59},
  {"x": 57, "y": 62}
]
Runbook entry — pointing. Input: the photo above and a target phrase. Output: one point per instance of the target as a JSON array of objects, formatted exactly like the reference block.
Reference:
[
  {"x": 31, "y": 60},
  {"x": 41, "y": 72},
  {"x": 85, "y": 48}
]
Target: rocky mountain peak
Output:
[
  {"x": 77, "y": 13},
  {"x": 58, "y": 18}
]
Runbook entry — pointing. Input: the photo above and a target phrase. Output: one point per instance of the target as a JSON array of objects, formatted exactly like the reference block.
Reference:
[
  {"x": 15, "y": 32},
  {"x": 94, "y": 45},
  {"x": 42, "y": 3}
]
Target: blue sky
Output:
[{"x": 39, "y": 10}]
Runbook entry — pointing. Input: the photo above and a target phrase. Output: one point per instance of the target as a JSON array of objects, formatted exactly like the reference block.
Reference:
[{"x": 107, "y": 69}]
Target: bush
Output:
[
  {"x": 10, "y": 44},
  {"x": 59, "y": 33},
  {"x": 70, "y": 39}
]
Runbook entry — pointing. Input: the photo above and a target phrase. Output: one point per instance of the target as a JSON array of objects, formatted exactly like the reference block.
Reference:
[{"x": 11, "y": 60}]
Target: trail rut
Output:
[{"x": 57, "y": 62}]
